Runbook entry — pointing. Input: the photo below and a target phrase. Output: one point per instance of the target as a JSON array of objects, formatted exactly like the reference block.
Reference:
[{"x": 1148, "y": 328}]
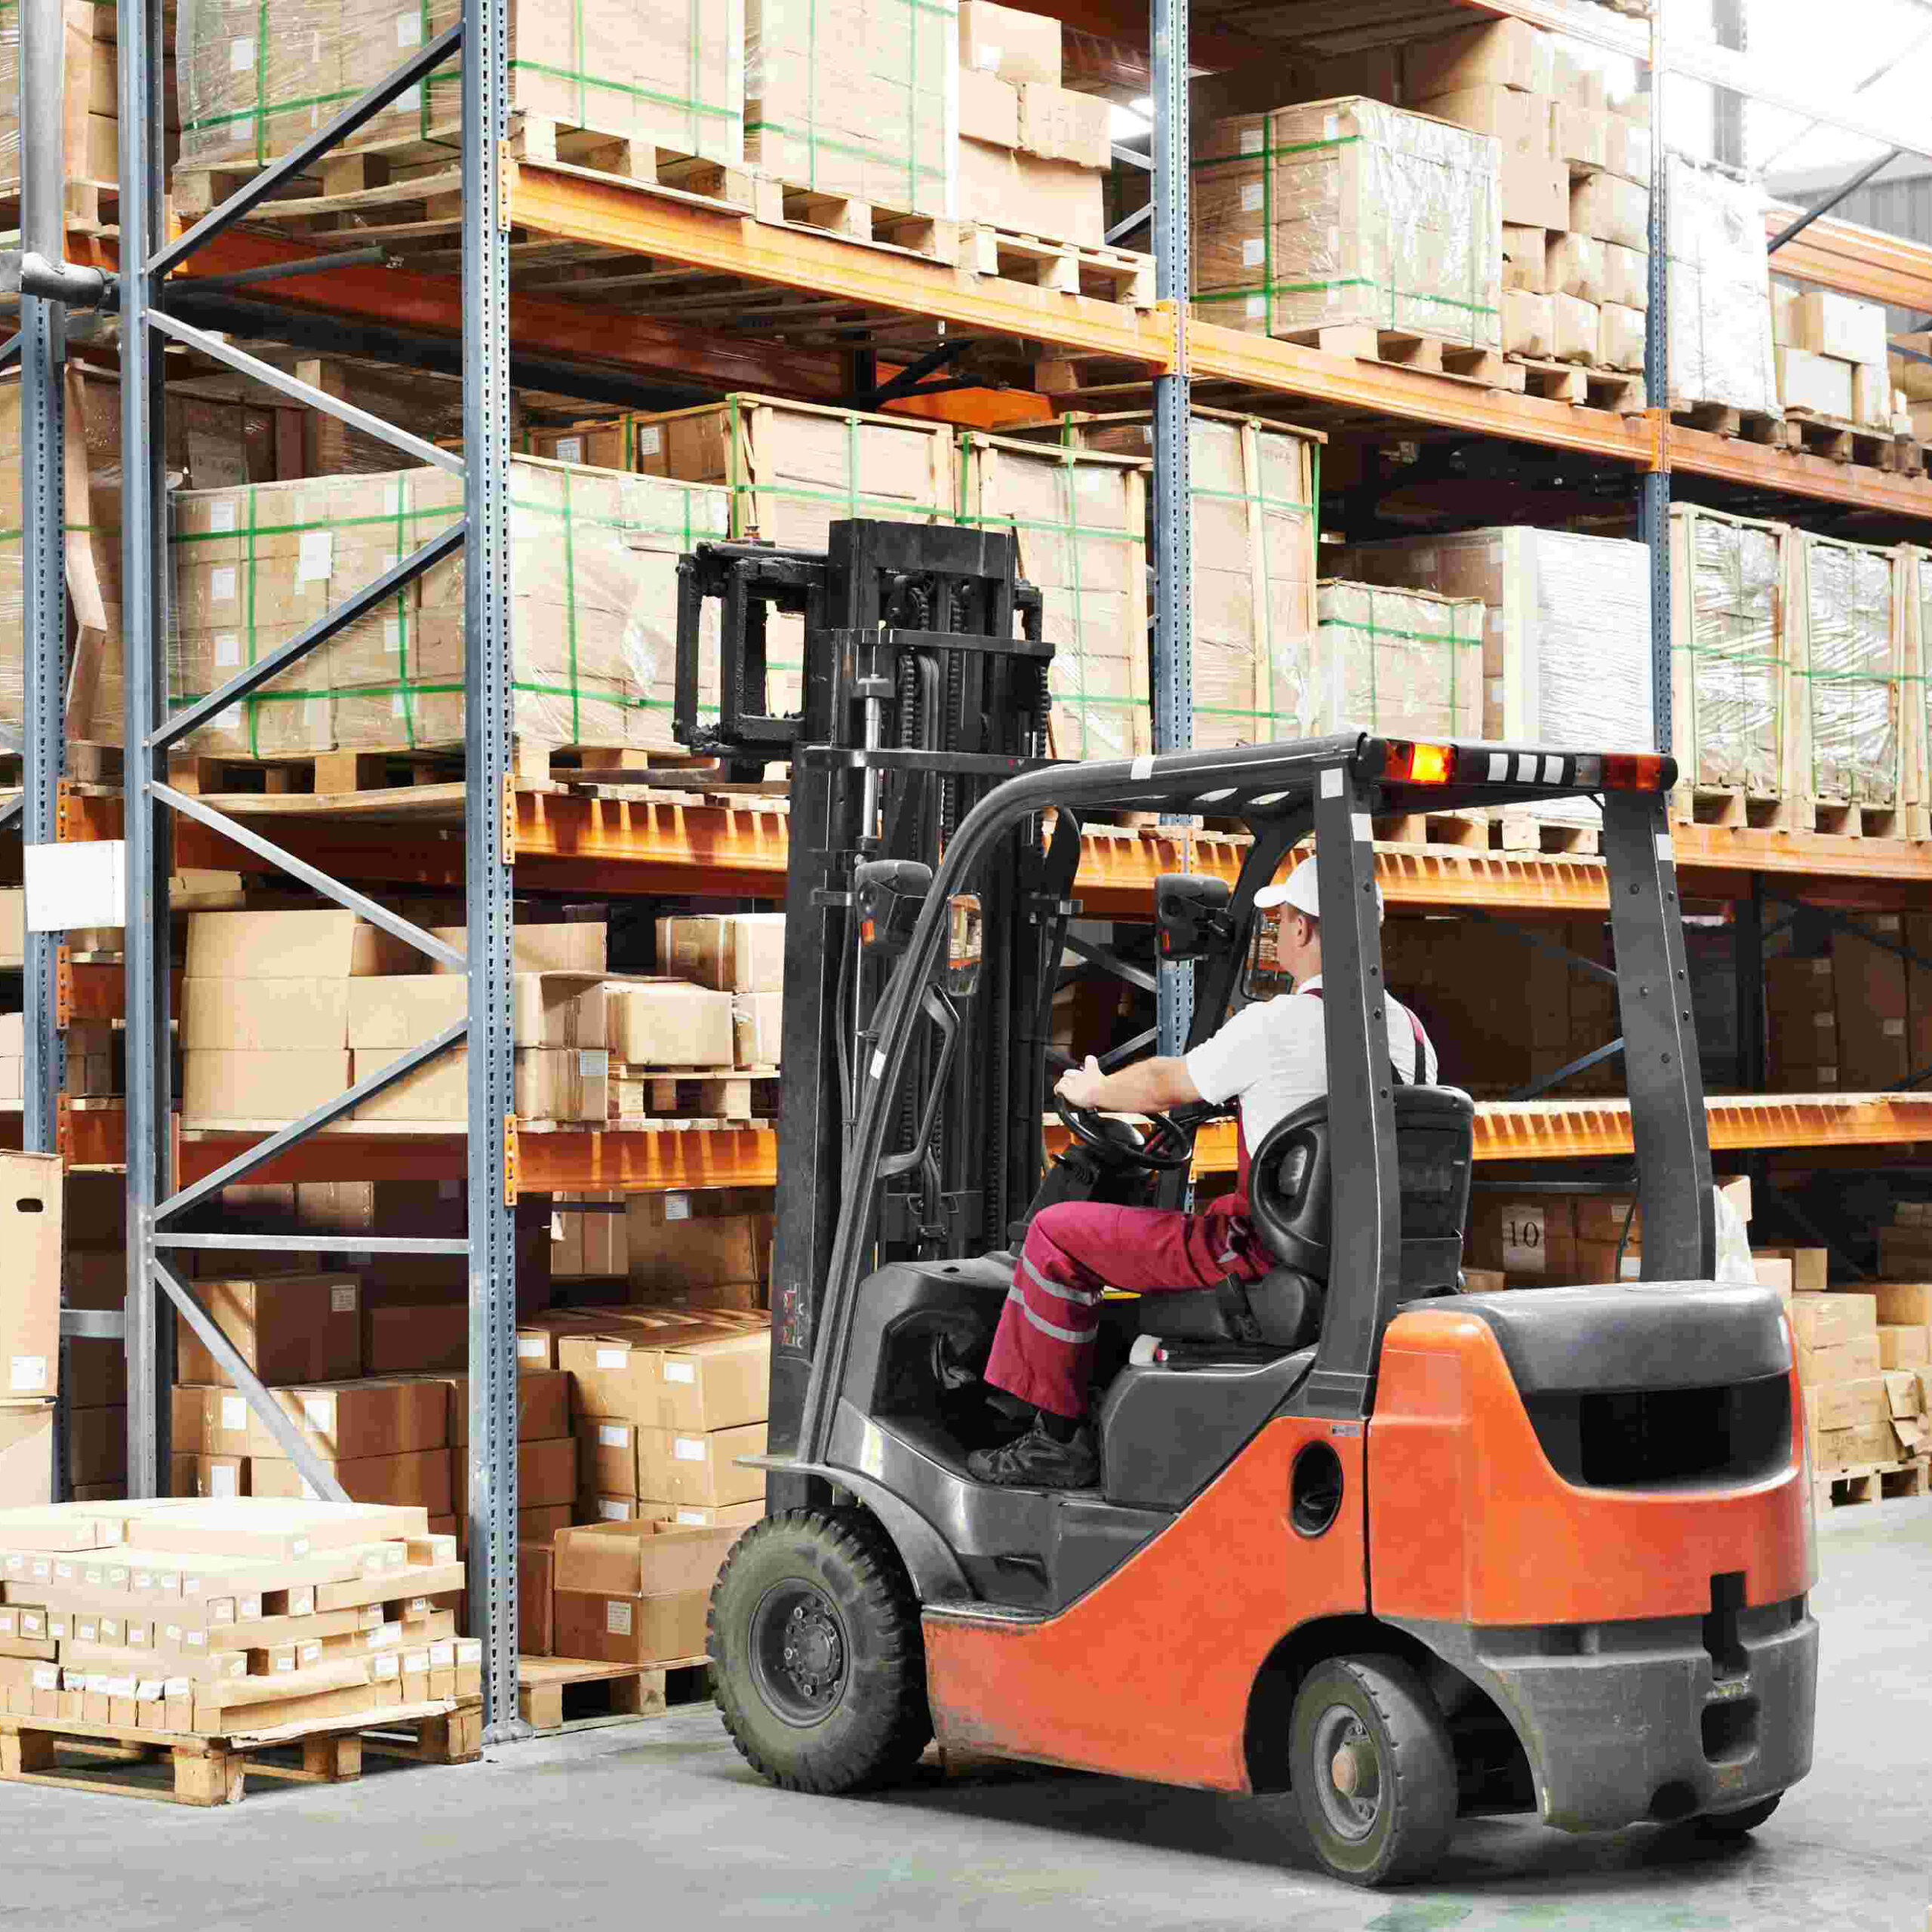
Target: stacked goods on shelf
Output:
[
  {"x": 1910, "y": 359},
  {"x": 1405, "y": 662},
  {"x": 1857, "y": 1019},
  {"x": 1033, "y": 155},
  {"x": 30, "y": 1223},
  {"x": 217, "y": 1618},
  {"x": 1566, "y": 629},
  {"x": 1870, "y": 985},
  {"x": 592, "y": 629},
  {"x": 1472, "y": 981},
  {"x": 1850, "y": 682},
  {"x": 1858, "y": 1414},
  {"x": 855, "y": 100},
  {"x": 631, "y": 1592},
  {"x": 1348, "y": 214},
  {"x": 587, "y": 1240},
  {"x": 1079, "y": 522},
  {"x": 709, "y": 1249},
  {"x": 1254, "y": 490},
  {"x": 1551, "y": 1240},
  {"x": 95, "y": 1372},
  {"x": 256, "y": 83},
  {"x": 90, "y": 132},
  {"x": 1832, "y": 358},
  {"x": 1575, "y": 174},
  {"x": 547, "y": 1484},
  {"x": 1801, "y": 1025},
  {"x": 1732, "y": 654},
  {"x": 1718, "y": 304}
]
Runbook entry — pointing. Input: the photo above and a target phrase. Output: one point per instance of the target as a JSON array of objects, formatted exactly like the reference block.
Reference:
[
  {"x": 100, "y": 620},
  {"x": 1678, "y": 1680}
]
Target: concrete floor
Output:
[{"x": 659, "y": 1825}]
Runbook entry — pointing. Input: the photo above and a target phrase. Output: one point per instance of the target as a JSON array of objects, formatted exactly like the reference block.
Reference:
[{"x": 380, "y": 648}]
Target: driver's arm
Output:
[{"x": 1147, "y": 1087}]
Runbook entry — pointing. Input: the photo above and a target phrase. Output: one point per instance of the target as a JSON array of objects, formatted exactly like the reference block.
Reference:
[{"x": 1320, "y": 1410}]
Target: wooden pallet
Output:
[
  {"x": 707, "y": 1093},
  {"x": 1072, "y": 268},
  {"x": 1874, "y": 1482},
  {"x": 794, "y": 204},
  {"x": 1521, "y": 829},
  {"x": 402, "y": 767},
  {"x": 561, "y": 1694},
  {"x": 1617, "y": 390},
  {"x": 1700, "y": 804},
  {"x": 1836, "y": 819},
  {"x": 1838, "y": 441},
  {"x": 1721, "y": 419},
  {"x": 1469, "y": 830},
  {"x": 1404, "y": 349},
  {"x": 183, "y": 1768}
]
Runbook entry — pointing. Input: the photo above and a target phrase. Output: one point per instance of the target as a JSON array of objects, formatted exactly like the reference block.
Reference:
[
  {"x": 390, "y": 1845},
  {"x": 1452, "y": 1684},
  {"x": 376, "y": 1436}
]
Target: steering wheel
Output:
[{"x": 1172, "y": 1147}]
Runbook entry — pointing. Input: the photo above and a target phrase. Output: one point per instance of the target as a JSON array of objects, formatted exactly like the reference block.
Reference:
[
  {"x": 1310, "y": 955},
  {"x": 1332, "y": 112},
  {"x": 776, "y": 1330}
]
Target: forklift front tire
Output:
[
  {"x": 1373, "y": 1769},
  {"x": 817, "y": 1652},
  {"x": 1735, "y": 1824}
]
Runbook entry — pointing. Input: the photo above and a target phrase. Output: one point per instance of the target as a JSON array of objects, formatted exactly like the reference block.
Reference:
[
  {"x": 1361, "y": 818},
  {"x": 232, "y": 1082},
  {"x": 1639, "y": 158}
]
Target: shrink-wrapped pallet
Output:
[
  {"x": 1718, "y": 308},
  {"x": 1406, "y": 664},
  {"x": 1347, "y": 212},
  {"x": 1851, "y": 681}
]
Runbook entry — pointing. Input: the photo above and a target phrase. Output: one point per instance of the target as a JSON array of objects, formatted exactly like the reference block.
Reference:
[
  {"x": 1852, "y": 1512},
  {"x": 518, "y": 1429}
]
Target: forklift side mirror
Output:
[
  {"x": 887, "y": 895},
  {"x": 962, "y": 944},
  {"x": 1190, "y": 912}
]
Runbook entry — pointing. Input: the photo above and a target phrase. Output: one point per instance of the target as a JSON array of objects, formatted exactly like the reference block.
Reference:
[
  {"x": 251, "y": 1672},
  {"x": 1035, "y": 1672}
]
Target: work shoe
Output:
[{"x": 1036, "y": 1461}]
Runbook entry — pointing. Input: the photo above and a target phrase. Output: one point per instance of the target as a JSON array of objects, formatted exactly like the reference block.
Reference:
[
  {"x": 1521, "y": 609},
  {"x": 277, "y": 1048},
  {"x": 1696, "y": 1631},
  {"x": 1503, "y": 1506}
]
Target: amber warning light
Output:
[{"x": 1415, "y": 763}]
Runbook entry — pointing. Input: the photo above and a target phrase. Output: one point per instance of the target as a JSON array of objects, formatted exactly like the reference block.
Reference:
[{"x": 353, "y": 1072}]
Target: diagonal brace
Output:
[
  {"x": 275, "y": 1419},
  {"x": 356, "y": 115},
  {"x": 319, "y": 1117},
  {"x": 1563, "y": 1073},
  {"x": 324, "y": 627},
  {"x": 1576, "y": 960},
  {"x": 310, "y": 876},
  {"x": 1110, "y": 961},
  {"x": 297, "y": 391}
]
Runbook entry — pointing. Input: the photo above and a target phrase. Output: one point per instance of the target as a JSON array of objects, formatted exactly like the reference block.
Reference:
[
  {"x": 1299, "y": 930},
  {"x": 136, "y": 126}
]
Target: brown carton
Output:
[
  {"x": 1869, "y": 983},
  {"x": 1847, "y": 1405},
  {"x": 1853, "y": 1360},
  {"x": 274, "y": 1531},
  {"x": 552, "y": 1083},
  {"x": 704, "y": 1516},
  {"x": 218, "y": 1084},
  {"x": 740, "y": 952},
  {"x": 988, "y": 109},
  {"x": 671, "y": 1023},
  {"x": 288, "y": 1328},
  {"x": 675, "y": 1467},
  {"x": 1820, "y": 1321},
  {"x": 1521, "y": 122},
  {"x": 563, "y": 945},
  {"x": 1508, "y": 52},
  {"x": 679, "y": 1241},
  {"x": 27, "y": 1454},
  {"x": 265, "y": 1015},
  {"x": 290, "y": 946},
  {"x": 543, "y": 1405},
  {"x": 1056, "y": 123},
  {"x": 757, "y": 1024},
  {"x": 347, "y": 1421},
  {"x": 31, "y": 1220},
  {"x": 421, "y": 1477},
  {"x": 606, "y": 1455},
  {"x": 417, "y": 1338},
  {"x": 535, "y": 1567},
  {"x": 706, "y": 1385},
  {"x": 1015, "y": 45},
  {"x": 1902, "y": 1301}
]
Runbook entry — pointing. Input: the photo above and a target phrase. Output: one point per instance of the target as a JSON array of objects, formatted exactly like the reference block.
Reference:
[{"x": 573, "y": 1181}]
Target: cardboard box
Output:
[
  {"x": 1869, "y": 984},
  {"x": 606, "y": 1455},
  {"x": 1525, "y": 259},
  {"x": 218, "y": 1084},
  {"x": 555, "y": 1010},
  {"x": 733, "y": 1515},
  {"x": 415, "y": 1338},
  {"x": 701, "y": 1240},
  {"x": 635, "y": 1593},
  {"x": 671, "y": 1023},
  {"x": 290, "y": 1329},
  {"x": 675, "y": 1467},
  {"x": 546, "y": 1476},
  {"x": 1510, "y": 54},
  {"x": 27, "y": 1454},
  {"x": 740, "y": 952},
  {"x": 1528, "y": 327},
  {"x": 535, "y": 1567},
  {"x": 1619, "y": 338},
  {"x": 1835, "y": 1450},
  {"x": 32, "y": 1220},
  {"x": 280, "y": 1015},
  {"x": 1854, "y": 1360},
  {"x": 1814, "y": 384},
  {"x": 350, "y": 1420},
  {"x": 1520, "y": 122},
  {"x": 1576, "y": 267},
  {"x": 1898, "y": 1304},
  {"x": 1847, "y": 1405},
  {"x": 1839, "y": 326},
  {"x": 1903, "y": 1345},
  {"x": 1576, "y": 136},
  {"x": 1809, "y": 1267},
  {"x": 421, "y": 1477},
  {"x": 290, "y": 946},
  {"x": 1004, "y": 40},
  {"x": 707, "y": 1385},
  {"x": 989, "y": 109},
  {"x": 560, "y": 945},
  {"x": 278, "y": 1531},
  {"x": 552, "y": 1083},
  {"x": 1535, "y": 191},
  {"x": 1577, "y": 327},
  {"x": 1056, "y": 123},
  {"x": 757, "y": 1026},
  {"x": 1611, "y": 209},
  {"x": 1820, "y": 1321}
]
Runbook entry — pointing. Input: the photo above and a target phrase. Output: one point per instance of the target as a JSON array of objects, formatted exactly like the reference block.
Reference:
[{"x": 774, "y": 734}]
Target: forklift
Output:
[{"x": 1404, "y": 1551}]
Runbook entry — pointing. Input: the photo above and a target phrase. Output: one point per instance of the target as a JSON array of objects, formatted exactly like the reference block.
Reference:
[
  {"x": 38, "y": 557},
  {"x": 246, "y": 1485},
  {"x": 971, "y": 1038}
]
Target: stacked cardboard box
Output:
[
  {"x": 1551, "y": 1240},
  {"x": 1347, "y": 212},
  {"x": 235, "y": 1616},
  {"x": 660, "y": 72},
  {"x": 1079, "y": 520},
  {"x": 629, "y": 1593},
  {"x": 587, "y": 1241},
  {"x": 1851, "y": 1410},
  {"x": 1407, "y": 662},
  {"x": 708, "y": 1249},
  {"x": 1251, "y": 483},
  {"x": 1851, "y": 680},
  {"x": 1832, "y": 358},
  {"x": 1575, "y": 186},
  {"x": 594, "y": 558},
  {"x": 30, "y": 1223},
  {"x": 1033, "y": 155},
  {"x": 1801, "y": 1025}
]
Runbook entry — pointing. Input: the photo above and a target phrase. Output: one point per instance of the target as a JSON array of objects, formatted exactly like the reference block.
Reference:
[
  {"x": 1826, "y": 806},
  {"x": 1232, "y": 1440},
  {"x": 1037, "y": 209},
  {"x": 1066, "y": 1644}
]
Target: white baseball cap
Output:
[{"x": 1299, "y": 892}]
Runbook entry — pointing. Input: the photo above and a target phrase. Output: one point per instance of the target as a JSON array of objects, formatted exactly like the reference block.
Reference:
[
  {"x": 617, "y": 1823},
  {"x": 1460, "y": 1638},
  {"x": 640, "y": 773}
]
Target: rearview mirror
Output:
[
  {"x": 962, "y": 944},
  {"x": 1190, "y": 912},
  {"x": 886, "y": 894}
]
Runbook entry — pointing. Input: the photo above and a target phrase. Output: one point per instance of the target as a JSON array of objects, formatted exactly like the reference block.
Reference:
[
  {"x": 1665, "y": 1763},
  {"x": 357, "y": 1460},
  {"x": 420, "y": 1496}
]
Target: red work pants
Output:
[{"x": 1044, "y": 1350}]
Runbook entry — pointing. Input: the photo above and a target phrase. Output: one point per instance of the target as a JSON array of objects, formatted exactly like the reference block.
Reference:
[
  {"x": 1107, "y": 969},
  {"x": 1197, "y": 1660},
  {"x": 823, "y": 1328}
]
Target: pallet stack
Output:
[
  {"x": 1718, "y": 301},
  {"x": 1833, "y": 363},
  {"x": 1865, "y": 1422}
]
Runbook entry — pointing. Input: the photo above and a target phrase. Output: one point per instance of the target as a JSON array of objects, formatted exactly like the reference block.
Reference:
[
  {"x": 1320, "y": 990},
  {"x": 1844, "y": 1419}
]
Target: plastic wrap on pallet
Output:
[
  {"x": 1405, "y": 663},
  {"x": 1719, "y": 308},
  {"x": 1347, "y": 211},
  {"x": 1732, "y": 734},
  {"x": 1255, "y": 488},
  {"x": 1850, "y": 677},
  {"x": 593, "y": 577},
  {"x": 1079, "y": 522},
  {"x": 258, "y": 79},
  {"x": 858, "y": 98}
]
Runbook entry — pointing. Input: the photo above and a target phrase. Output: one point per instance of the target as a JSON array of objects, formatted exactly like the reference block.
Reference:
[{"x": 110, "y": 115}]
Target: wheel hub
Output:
[
  {"x": 799, "y": 1652},
  {"x": 812, "y": 1651},
  {"x": 1350, "y": 1790}
]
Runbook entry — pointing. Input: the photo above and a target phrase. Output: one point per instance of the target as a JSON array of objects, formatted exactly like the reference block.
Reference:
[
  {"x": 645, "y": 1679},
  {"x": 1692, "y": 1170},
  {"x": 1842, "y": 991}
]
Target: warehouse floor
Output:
[{"x": 660, "y": 1824}]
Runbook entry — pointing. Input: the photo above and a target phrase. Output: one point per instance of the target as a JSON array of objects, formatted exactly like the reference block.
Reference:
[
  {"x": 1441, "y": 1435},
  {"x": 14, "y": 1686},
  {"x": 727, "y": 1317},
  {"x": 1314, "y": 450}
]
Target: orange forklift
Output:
[{"x": 1405, "y": 1552}]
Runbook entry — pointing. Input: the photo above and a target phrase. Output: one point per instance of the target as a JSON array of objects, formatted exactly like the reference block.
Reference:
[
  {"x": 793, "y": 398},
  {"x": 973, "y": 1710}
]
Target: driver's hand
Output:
[{"x": 1080, "y": 1086}]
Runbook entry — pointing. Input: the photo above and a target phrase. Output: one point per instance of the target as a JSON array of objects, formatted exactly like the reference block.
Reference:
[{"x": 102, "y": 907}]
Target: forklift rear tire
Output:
[
  {"x": 1735, "y": 1824},
  {"x": 817, "y": 1651},
  {"x": 1373, "y": 1769}
]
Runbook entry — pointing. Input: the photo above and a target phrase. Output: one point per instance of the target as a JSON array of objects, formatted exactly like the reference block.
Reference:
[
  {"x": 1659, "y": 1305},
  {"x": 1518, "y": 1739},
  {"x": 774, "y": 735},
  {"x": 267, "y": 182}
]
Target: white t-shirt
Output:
[{"x": 1275, "y": 1055}]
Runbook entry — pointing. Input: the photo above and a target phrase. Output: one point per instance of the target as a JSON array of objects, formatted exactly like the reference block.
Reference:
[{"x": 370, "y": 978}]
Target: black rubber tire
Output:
[
  {"x": 878, "y": 1721},
  {"x": 1414, "y": 1761},
  {"x": 1736, "y": 1824}
]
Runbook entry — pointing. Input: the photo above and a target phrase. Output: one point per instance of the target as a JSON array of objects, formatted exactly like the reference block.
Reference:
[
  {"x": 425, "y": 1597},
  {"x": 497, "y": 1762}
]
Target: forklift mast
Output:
[{"x": 924, "y": 686}]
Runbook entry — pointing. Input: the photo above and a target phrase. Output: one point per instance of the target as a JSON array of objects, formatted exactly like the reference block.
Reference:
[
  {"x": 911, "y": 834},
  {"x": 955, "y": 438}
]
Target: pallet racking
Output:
[{"x": 498, "y": 829}]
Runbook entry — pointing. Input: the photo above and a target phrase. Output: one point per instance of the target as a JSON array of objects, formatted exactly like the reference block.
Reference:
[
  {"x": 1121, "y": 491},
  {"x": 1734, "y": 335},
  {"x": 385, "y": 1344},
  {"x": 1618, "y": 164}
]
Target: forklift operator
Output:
[{"x": 1272, "y": 1056}]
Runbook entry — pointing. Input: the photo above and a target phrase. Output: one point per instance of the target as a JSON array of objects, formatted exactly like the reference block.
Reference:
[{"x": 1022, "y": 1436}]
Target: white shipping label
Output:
[
  {"x": 442, "y": 1656},
  {"x": 532, "y": 1348},
  {"x": 990, "y": 52},
  {"x": 221, "y": 585},
  {"x": 1251, "y": 197},
  {"x": 309, "y": 1653},
  {"x": 388, "y": 1667},
  {"x": 1253, "y": 252},
  {"x": 593, "y": 1063},
  {"x": 147, "y": 1690},
  {"x": 609, "y": 1511},
  {"x": 411, "y": 98},
  {"x": 1525, "y": 1249},
  {"x": 29, "y": 1372},
  {"x": 385, "y": 1637},
  {"x": 88, "y": 1630},
  {"x": 234, "y": 1412},
  {"x": 46, "y": 1677},
  {"x": 240, "y": 57},
  {"x": 341, "y": 1299},
  {"x": 570, "y": 449},
  {"x": 650, "y": 441},
  {"x": 1894, "y": 1030},
  {"x": 227, "y": 648},
  {"x": 690, "y": 1516},
  {"x": 409, "y": 29},
  {"x": 613, "y": 1357},
  {"x": 285, "y": 1663},
  {"x": 617, "y": 1618},
  {"x": 680, "y": 1371},
  {"x": 221, "y": 517},
  {"x": 1632, "y": 1268},
  {"x": 1255, "y": 307},
  {"x": 688, "y": 1448},
  {"x": 1250, "y": 141},
  {"x": 179, "y": 1687},
  {"x": 221, "y": 1481},
  {"x": 613, "y": 1435},
  {"x": 249, "y": 1606},
  {"x": 314, "y": 556},
  {"x": 677, "y": 1207},
  {"x": 302, "y": 1602},
  {"x": 393, "y": 635},
  {"x": 319, "y": 1411}
]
